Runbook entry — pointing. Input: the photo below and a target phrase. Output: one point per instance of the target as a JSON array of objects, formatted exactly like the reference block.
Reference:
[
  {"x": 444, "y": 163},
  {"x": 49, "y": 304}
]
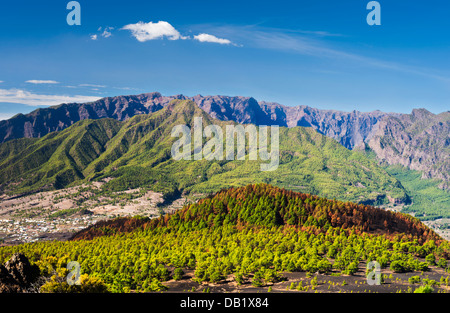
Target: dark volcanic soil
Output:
[{"x": 326, "y": 283}]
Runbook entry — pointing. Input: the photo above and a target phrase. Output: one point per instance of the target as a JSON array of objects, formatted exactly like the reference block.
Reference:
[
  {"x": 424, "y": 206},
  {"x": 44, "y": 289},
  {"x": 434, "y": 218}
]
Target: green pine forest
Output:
[
  {"x": 428, "y": 201},
  {"x": 253, "y": 234}
]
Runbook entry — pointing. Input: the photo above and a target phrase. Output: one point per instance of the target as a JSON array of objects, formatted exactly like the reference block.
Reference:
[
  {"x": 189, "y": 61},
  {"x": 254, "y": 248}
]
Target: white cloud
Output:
[
  {"x": 32, "y": 99},
  {"x": 212, "y": 38},
  {"x": 1, "y": 81},
  {"x": 107, "y": 32},
  {"x": 151, "y": 31},
  {"x": 34, "y": 81}
]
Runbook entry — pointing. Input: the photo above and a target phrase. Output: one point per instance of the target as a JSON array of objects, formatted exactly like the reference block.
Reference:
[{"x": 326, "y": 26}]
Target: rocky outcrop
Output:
[
  {"x": 419, "y": 141},
  {"x": 239, "y": 109},
  {"x": 7, "y": 282},
  {"x": 350, "y": 129},
  {"x": 17, "y": 274}
]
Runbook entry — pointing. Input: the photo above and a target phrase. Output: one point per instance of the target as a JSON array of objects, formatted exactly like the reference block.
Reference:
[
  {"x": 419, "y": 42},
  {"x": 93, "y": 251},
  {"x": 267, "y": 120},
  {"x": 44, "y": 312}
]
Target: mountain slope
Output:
[
  {"x": 352, "y": 129},
  {"x": 42, "y": 121},
  {"x": 419, "y": 141},
  {"x": 137, "y": 153},
  {"x": 57, "y": 159}
]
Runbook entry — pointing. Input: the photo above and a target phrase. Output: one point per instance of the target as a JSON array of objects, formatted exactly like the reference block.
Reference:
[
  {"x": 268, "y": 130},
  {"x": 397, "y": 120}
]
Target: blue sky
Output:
[{"x": 319, "y": 53}]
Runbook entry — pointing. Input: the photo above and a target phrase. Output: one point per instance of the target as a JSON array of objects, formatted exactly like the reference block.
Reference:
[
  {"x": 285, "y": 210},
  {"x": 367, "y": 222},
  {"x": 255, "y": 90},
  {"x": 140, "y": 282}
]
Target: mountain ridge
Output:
[
  {"x": 137, "y": 152},
  {"x": 354, "y": 130},
  {"x": 239, "y": 109}
]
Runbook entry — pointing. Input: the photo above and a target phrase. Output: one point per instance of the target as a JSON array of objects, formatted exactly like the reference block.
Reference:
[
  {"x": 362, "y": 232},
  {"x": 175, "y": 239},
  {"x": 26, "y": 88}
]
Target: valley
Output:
[{"x": 59, "y": 214}]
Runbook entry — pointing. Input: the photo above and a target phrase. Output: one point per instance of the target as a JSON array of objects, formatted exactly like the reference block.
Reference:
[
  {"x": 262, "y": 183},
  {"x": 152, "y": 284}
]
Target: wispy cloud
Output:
[
  {"x": 317, "y": 44},
  {"x": 92, "y": 85},
  {"x": 33, "y": 99},
  {"x": 125, "y": 88},
  {"x": 297, "y": 41},
  {"x": 36, "y": 82},
  {"x": 85, "y": 86},
  {"x": 211, "y": 38},
  {"x": 316, "y": 33},
  {"x": 94, "y": 37}
]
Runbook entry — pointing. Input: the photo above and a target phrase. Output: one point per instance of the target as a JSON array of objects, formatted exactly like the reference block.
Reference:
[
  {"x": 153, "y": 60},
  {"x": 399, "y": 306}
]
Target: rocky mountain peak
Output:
[{"x": 421, "y": 112}]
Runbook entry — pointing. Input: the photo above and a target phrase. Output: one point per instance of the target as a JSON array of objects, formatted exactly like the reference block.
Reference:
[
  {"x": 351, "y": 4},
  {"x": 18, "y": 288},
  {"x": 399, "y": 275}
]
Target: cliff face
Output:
[
  {"x": 240, "y": 109},
  {"x": 418, "y": 141},
  {"x": 350, "y": 129}
]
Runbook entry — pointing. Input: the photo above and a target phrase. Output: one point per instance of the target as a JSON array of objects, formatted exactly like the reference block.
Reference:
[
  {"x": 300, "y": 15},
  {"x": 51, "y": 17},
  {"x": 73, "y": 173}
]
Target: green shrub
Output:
[
  {"x": 414, "y": 280},
  {"x": 87, "y": 285},
  {"x": 398, "y": 266},
  {"x": 178, "y": 273},
  {"x": 431, "y": 259},
  {"x": 424, "y": 289}
]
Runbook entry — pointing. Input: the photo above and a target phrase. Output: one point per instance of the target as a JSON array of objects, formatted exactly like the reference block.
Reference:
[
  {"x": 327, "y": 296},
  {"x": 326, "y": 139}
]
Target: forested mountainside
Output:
[
  {"x": 419, "y": 140},
  {"x": 268, "y": 206},
  {"x": 137, "y": 153}
]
